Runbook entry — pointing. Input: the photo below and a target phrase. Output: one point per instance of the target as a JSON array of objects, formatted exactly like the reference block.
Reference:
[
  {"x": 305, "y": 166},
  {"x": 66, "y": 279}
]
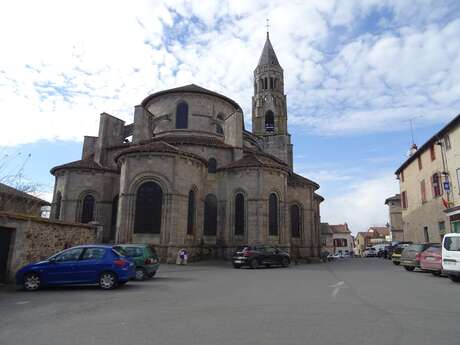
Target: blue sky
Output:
[{"x": 355, "y": 73}]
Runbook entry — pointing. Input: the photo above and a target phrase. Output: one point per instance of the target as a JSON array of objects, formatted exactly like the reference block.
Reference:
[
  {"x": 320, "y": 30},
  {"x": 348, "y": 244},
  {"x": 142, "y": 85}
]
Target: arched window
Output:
[
  {"x": 265, "y": 84},
  {"x": 239, "y": 214},
  {"x": 295, "y": 221},
  {"x": 210, "y": 215},
  {"x": 149, "y": 201},
  {"x": 273, "y": 215},
  {"x": 191, "y": 212},
  {"x": 87, "y": 211},
  {"x": 57, "y": 213},
  {"x": 113, "y": 222},
  {"x": 269, "y": 121},
  {"x": 219, "y": 129},
  {"x": 182, "y": 115},
  {"x": 212, "y": 165}
]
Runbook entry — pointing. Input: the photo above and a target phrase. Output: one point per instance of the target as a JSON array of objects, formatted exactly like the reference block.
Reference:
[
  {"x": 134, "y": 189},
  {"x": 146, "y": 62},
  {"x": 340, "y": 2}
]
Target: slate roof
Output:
[
  {"x": 87, "y": 163},
  {"x": 268, "y": 56},
  {"x": 158, "y": 146},
  {"x": 5, "y": 189},
  {"x": 191, "y": 88}
]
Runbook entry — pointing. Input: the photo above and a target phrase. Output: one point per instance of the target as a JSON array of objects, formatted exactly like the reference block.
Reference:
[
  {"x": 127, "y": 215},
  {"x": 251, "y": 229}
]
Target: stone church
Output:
[{"x": 187, "y": 174}]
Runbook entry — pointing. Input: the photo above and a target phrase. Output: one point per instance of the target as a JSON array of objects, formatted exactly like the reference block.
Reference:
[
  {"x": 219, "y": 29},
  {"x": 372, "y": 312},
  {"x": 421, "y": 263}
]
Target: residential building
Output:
[
  {"x": 374, "y": 235},
  {"x": 327, "y": 242},
  {"x": 342, "y": 240},
  {"x": 395, "y": 216},
  {"x": 379, "y": 234},
  {"x": 361, "y": 243},
  {"x": 429, "y": 187}
]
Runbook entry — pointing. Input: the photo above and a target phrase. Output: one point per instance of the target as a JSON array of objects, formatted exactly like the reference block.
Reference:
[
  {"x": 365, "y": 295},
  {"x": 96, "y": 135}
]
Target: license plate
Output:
[
  {"x": 238, "y": 261},
  {"x": 430, "y": 258}
]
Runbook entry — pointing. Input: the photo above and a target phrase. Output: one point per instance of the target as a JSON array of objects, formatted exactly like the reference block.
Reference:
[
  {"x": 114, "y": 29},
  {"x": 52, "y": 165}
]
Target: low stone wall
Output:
[{"x": 35, "y": 238}]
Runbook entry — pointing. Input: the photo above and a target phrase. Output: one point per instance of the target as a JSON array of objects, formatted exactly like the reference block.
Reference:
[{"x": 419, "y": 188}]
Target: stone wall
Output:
[{"x": 35, "y": 238}]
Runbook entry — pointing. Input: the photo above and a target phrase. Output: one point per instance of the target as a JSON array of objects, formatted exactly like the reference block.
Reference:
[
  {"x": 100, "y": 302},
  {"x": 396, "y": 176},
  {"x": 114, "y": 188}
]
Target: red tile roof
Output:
[
  {"x": 379, "y": 230},
  {"x": 252, "y": 159},
  {"x": 189, "y": 139},
  {"x": 87, "y": 163},
  {"x": 191, "y": 88},
  {"x": 158, "y": 146},
  {"x": 295, "y": 179},
  {"x": 340, "y": 229}
]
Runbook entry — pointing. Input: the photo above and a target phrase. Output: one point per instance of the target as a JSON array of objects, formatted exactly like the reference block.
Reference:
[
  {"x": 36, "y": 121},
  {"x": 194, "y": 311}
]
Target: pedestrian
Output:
[{"x": 182, "y": 257}]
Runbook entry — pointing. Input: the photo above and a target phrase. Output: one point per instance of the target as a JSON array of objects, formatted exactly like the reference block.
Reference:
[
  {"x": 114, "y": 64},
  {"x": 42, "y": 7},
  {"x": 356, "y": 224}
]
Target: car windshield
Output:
[
  {"x": 134, "y": 251},
  {"x": 416, "y": 247},
  {"x": 242, "y": 248},
  {"x": 120, "y": 251},
  {"x": 452, "y": 244}
]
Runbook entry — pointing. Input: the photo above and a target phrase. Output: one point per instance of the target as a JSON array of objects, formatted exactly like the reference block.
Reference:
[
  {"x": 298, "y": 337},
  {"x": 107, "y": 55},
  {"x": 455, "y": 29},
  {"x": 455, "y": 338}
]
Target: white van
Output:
[{"x": 451, "y": 256}]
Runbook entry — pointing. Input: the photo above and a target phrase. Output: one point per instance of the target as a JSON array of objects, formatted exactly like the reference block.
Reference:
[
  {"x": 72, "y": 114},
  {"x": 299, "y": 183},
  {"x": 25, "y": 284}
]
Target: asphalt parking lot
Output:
[{"x": 350, "y": 301}]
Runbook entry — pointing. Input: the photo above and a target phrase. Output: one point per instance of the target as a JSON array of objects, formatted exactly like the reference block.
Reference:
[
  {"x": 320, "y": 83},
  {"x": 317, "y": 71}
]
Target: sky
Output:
[{"x": 356, "y": 73}]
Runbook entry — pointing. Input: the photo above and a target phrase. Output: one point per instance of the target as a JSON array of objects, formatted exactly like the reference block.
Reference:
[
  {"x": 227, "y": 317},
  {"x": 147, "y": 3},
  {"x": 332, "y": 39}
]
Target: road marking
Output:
[
  {"x": 337, "y": 288},
  {"x": 22, "y": 302}
]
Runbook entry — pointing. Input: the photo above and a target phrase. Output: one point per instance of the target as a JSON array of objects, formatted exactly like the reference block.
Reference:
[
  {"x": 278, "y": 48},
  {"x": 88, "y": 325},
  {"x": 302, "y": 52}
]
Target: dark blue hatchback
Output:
[{"x": 88, "y": 264}]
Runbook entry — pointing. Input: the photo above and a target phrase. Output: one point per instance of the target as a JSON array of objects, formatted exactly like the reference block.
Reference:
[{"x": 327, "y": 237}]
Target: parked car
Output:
[
  {"x": 89, "y": 264},
  {"x": 370, "y": 253},
  {"x": 347, "y": 254},
  {"x": 430, "y": 260},
  {"x": 338, "y": 255},
  {"x": 451, "y": 256},
  {"x": 410, "y": 256},
  {"x": 389, "y": 251},
  {"x": 145, "y": 258},
  {"x": 254, "y": 256},
  {"x": 396, "y": 254}
]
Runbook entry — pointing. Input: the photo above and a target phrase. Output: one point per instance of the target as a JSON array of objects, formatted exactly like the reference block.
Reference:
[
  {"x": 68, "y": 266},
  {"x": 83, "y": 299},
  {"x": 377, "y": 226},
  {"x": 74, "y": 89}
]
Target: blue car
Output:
[{"x": 88, "y": 264}]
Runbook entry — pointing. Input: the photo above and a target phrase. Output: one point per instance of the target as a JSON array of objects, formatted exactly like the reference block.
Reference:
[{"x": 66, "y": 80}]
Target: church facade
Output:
[{"x": 186, "y": 174}]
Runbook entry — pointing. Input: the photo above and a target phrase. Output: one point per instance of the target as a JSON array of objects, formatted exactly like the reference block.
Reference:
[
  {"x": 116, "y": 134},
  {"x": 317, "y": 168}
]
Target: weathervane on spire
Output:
[{"x": 268, "y": 25}]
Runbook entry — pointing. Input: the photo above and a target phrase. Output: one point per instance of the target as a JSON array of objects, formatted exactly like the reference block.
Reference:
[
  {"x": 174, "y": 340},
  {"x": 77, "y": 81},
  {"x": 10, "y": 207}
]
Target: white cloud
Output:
[
  {"x": 362, "y": 204},
  {"x": 63, "y": 63}
]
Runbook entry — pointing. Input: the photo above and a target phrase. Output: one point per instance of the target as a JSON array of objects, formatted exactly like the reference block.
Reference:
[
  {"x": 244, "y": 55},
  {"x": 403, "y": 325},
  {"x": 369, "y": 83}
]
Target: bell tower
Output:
[{"x": 269, "y": 111}]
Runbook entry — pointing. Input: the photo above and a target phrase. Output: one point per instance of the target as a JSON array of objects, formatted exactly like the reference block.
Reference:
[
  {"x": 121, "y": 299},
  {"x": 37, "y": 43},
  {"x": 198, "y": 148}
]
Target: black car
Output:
[{"x": 260, "y": 255}]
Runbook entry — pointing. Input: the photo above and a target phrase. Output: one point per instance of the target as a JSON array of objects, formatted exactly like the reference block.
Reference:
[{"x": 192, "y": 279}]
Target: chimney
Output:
[{"x": 413, "y": 149}]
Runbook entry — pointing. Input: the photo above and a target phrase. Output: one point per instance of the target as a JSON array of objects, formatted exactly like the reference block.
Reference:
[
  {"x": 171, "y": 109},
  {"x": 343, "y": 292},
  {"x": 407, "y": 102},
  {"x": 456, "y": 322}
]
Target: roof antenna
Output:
[
  {"x": 412, "y": 131},
  {"x": 268, "y": 26}
]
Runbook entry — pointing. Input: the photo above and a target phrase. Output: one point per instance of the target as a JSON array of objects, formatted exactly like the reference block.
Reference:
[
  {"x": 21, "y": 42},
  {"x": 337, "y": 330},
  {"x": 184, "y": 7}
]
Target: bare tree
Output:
[{"x": 12, "y": 175}]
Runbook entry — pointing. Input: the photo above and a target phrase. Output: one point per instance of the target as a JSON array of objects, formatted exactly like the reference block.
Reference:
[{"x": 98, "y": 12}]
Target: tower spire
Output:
[
  {"x": 268, "y": 56},
  {"x": 269, "y": 110}
]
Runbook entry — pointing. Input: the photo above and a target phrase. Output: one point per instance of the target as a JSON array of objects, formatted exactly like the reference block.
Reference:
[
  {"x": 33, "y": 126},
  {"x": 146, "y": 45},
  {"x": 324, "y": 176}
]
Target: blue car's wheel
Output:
[
  {"x": 107, "y": 280},
  {"x": 32, "y": 281}
]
